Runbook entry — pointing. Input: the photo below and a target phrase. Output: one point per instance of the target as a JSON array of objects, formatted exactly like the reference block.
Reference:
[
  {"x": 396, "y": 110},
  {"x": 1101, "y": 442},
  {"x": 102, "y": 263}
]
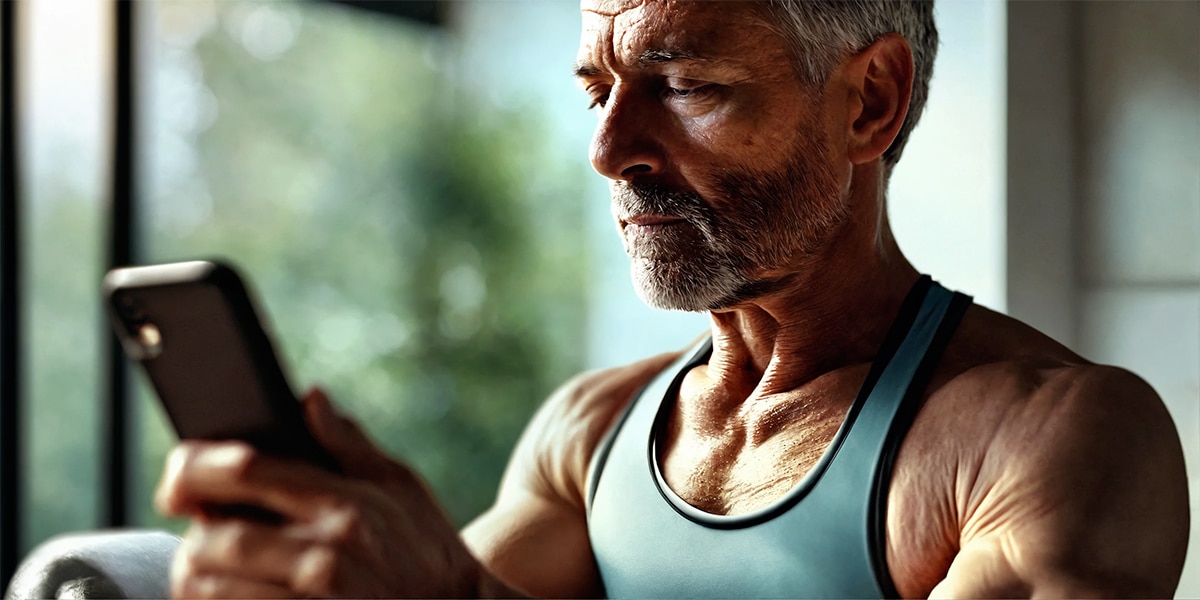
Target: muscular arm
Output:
[
  {"x": 535, "y": 535},
  {"x": 1082, "y": 493}
]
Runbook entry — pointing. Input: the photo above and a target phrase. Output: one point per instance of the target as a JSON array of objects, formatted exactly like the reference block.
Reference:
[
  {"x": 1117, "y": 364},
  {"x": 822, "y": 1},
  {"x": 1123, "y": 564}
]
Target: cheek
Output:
[{"x": 715, "y": 142}]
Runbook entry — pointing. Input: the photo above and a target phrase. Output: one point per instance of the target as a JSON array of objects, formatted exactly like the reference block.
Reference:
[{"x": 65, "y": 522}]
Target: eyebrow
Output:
[
  {"x": 585, "y": 69},
  {"x": 650, "y": 57},
  {"x": 656, "y": 57}
]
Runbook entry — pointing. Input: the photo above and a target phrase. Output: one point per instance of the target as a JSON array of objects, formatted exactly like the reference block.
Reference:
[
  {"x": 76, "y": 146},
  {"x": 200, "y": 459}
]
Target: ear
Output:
[{"x": 880, "y": 85}]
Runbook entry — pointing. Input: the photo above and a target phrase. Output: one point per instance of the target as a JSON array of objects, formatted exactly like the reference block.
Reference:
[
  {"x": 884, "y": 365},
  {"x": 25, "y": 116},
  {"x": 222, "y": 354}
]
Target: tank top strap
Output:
[{"x": 888, "y": 402}]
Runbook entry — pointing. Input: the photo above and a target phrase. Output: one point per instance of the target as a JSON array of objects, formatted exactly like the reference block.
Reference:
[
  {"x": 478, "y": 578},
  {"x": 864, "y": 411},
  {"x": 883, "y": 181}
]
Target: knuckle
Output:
[
  {"x": 316, "y": 571},
  {"x": 343, "y": 523},
  {"x": 168, "y": 498},
  {"x": 239, "y": 460},
  {"x": 205, "y": 586},
  {"x": 188, "y": 549},
  {"x": 212, "y": 545},
  {"x": 230, "y": 542},
  {"x": 183, "y": 575},
  {"x": 170, "y": 495}
]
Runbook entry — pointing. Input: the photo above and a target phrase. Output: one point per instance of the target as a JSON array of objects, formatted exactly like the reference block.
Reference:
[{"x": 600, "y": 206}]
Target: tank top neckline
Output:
[{"x": 897, "y": 332}]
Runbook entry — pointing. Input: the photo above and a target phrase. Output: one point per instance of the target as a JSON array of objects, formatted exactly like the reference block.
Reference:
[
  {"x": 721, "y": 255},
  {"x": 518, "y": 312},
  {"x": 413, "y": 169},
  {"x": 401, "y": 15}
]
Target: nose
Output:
[{"x": 626, "y": 143}]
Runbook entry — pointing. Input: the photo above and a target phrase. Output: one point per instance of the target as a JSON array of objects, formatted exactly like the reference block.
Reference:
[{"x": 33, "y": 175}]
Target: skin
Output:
[{"x": 1028, "y": 471}]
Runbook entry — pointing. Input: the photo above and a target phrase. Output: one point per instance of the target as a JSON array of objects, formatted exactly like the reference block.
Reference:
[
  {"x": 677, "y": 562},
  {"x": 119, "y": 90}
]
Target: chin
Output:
[{"x": 667, "y": 286}]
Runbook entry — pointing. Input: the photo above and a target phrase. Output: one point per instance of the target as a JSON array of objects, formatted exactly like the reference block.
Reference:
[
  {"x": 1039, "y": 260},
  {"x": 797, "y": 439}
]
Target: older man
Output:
[{"x": 848, "y": 428}]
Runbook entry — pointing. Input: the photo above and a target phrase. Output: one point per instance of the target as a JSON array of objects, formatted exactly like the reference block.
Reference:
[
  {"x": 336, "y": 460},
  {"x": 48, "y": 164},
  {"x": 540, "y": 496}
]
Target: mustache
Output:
[{"x": 636, "y": 198}]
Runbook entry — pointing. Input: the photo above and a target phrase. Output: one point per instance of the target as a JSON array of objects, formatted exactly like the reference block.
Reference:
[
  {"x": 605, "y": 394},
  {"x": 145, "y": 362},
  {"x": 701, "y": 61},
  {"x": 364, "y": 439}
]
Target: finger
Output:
[
  {"x": 300, "y": 557},
  {"x": 245, "y": 549},
  {"x": 357, "y": 455},
  {"x": 200, "y": 475},
  {"x": 228, "y": 586}
]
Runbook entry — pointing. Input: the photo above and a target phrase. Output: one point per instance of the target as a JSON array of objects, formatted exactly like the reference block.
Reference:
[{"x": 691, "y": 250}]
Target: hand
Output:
[{"x": 373, "y": 531}]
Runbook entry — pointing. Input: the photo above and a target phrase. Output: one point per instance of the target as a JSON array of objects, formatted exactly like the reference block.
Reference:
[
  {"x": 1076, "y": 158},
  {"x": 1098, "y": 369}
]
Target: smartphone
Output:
[{"x": 195, "y": 331}]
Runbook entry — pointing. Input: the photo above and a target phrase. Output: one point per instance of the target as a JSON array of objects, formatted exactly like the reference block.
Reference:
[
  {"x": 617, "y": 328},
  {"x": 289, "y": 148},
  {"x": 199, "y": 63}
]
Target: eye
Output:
[
  {"x": 684, "y": 92},
  {"x": 688, "y": 90},
  {"x": 599, "y": 95},
  {"x": 598, "y": 101}
]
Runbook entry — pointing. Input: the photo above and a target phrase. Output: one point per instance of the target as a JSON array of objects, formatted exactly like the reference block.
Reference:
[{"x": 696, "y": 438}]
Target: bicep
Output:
[
  {"x": 537, "y": 545},
  {"x": 1090, "y": 501}
]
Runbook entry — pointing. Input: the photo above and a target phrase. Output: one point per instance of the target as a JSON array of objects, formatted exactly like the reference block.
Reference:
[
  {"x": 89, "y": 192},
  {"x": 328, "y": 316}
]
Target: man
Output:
[{"x": 847, "y": 428}]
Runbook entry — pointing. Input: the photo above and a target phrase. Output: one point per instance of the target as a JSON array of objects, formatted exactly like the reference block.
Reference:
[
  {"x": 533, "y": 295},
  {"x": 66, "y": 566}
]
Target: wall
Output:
[{"x": 1104, "y": 195}]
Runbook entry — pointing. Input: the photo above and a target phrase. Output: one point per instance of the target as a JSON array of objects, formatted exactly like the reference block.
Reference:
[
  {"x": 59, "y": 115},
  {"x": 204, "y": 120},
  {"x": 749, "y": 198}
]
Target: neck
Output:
[{"x": 832, "y": 311}]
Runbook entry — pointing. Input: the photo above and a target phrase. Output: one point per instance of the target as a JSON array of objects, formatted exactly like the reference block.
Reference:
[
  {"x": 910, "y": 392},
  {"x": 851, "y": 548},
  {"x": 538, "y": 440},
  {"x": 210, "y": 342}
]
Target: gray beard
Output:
[{"x": 766, "y": 222}]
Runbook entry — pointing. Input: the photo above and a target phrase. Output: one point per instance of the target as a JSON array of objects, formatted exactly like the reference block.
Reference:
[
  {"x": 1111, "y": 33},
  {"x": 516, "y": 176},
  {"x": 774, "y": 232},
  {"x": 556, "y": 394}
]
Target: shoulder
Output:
[
  {"x": 1015, "y": 380},
  {"x": 554, "y": 452},
  {"x": 1018, "y": 398},
  {"x": 1072, "y": 468}
]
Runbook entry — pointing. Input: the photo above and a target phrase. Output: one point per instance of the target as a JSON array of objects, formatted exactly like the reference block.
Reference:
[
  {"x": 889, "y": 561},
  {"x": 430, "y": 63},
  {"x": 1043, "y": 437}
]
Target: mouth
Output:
[{"x": 649, "y": 221}]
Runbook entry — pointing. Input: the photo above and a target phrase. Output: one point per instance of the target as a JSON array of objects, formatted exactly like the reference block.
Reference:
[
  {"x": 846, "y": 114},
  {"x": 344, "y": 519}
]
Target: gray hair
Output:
[{"x": 823, "y": 32}]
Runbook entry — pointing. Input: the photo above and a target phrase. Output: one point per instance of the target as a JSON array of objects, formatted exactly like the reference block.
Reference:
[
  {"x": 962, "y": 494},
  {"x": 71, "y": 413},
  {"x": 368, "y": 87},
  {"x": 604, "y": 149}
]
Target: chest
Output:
[{"x": 742, "y": 470}]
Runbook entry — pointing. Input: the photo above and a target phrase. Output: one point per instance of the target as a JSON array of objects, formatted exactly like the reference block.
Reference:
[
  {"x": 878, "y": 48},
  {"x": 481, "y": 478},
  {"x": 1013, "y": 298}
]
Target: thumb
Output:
[{"x": 355, "y": 453}]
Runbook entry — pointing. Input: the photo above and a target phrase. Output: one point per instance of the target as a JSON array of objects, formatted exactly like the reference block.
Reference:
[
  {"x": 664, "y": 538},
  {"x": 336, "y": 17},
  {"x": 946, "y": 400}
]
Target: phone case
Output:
[{"x": 194, "y": 330}]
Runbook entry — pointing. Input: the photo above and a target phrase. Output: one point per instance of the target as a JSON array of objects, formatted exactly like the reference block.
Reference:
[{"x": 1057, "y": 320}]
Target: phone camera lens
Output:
[{"x": 150, "y": 338}]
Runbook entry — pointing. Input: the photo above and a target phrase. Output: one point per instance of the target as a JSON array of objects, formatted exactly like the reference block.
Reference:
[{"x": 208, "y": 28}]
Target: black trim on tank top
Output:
[
  {"x": 906, "y": 413},
  {"x": 899, "y": 330}
]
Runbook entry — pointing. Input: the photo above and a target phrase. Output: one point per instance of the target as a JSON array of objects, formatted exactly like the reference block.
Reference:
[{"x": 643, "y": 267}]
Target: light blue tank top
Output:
[{"x": 825, "y": 538}]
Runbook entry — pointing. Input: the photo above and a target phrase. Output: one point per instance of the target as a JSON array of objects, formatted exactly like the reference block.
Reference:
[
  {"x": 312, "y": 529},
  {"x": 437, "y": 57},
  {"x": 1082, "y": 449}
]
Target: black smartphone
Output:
[{"x": 196, "y": 333}]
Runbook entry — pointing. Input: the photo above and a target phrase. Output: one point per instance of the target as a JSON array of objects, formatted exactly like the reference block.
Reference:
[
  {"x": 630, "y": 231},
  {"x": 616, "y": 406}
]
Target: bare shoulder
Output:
[
  {"x": 553, "y": 454},
  {"x": 1071, "y": 472},
  {"x": 1016, "y": 379}
]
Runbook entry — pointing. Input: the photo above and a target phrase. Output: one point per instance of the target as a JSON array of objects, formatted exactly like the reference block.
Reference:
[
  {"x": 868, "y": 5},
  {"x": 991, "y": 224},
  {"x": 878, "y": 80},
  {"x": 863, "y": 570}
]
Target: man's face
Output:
[{"x": 720, "y": 168}]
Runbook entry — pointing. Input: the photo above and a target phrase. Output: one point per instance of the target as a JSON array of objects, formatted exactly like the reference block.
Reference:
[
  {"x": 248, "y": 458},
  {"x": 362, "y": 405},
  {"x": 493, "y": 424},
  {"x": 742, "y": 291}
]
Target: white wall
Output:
[
  {"x": 1104, "y": 203},
  {"x": 946, "y": 198},
  {"x": 1139, "y": 209}
]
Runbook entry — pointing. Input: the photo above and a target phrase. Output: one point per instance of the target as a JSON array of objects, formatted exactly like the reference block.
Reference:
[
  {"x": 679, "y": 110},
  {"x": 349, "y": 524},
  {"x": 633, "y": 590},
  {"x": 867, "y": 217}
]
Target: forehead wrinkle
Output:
[
  {"x": 640, "y": 32},
  {"x": 600, "y": 13},
  {"x": 624, "y": 6}
]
